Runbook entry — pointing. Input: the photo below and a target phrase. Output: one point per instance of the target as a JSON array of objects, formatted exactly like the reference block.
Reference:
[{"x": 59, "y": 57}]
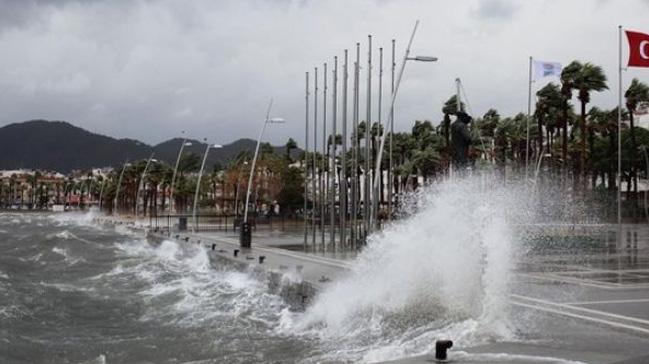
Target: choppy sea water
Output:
[
  {"x": 72, "y": 292},
  {"x": 75, "y": 292}
]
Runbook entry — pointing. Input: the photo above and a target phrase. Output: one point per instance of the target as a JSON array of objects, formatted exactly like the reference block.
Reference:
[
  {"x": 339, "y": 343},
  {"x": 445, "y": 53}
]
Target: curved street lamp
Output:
[
  {"x": 245, "y": 227},
  {"x": 379, "y": 156},
  {"x": 173, "y": 178},
  {"x": 119, "y": 183},
  {"x": 141, "y": 184},
  {"x": 198, "y": 181}
]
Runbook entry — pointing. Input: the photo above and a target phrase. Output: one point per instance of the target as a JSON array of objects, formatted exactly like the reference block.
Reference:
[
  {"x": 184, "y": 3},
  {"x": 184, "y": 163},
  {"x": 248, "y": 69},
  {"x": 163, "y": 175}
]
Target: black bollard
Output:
[
  {"x": 245, "y": 237},
  {"x": 261, "y": 259},
  {"x": 441, "y": 346},
  {"x": 236, "y": 253},
  {"x": 213, "y": 246}
]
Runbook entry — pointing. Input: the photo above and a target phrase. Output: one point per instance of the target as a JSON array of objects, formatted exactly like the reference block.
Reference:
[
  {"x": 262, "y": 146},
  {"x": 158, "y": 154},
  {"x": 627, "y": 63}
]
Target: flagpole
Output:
[
  {"x": 619, "y": 137},
  {"x": 527, "y": 123}
]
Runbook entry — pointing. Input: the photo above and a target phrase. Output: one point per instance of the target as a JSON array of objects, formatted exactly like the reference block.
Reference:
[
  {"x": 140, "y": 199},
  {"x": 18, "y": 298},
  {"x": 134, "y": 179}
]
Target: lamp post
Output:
[
  {"x": 119, "y": 183},
  {"x": 394, "y": 97},
  {"x": 198, "y": 181},
  {"x": 141, "y": 184},
  {"x": 245, "y": 227},
  {"x": 173, "y": 178}
]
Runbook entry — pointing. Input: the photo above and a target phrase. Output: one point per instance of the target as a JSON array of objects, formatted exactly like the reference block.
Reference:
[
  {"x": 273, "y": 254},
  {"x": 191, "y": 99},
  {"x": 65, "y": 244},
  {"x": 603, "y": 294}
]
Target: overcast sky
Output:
[{"x": 147, "y": 69}]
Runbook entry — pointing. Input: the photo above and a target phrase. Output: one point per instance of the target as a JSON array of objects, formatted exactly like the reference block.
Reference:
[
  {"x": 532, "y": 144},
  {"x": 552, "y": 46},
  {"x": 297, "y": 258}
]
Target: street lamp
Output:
[
  {"x": 119, "y": 183},
  {"x": 141, "y": 184},
  {"x": 422, "y": 59},
  {"x": 173, "y": 178},
  {"x": 198, "y": 181},
  {"x": 246, "y": 235},
  {"x": 406, "y": 58}
]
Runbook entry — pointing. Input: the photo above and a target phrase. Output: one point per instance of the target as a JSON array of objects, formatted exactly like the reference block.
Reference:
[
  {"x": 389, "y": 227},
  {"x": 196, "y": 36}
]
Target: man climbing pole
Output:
[{"x": 461, "y": 139}]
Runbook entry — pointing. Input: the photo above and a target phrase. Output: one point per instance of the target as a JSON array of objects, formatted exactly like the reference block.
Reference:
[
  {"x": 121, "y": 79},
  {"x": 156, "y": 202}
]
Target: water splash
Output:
[{"x": 442, "y": 271}]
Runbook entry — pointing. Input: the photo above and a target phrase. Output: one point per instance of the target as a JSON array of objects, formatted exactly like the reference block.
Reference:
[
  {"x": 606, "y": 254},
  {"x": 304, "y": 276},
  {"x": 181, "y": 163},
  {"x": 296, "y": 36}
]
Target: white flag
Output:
[{"x": 545, "y": 69}]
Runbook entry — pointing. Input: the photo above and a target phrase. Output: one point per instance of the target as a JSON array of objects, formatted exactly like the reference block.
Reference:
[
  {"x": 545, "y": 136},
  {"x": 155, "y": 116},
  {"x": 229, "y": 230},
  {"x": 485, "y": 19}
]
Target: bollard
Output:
[
  {"x": 441, "y": 346},
  {"x": 261, "y": 259},
  {"x": 245, "y": 235},
  {"x": 236, "y": 253},
  {"x": 213, "y": 246}
]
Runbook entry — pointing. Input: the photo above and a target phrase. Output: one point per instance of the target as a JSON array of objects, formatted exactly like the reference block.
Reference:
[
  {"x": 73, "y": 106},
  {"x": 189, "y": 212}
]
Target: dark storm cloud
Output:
[{"x": 150, "y": 68}]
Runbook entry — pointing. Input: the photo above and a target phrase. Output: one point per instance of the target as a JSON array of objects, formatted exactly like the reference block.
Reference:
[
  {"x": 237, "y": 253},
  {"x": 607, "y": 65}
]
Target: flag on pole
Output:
[
  {"x": 638, "y": 49},
  {"x": 546, "y": 69}
]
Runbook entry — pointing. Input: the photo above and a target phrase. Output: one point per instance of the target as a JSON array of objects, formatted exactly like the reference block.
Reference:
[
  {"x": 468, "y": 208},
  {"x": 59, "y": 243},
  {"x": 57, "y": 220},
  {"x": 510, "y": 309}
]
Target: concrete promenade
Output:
[{"x": 587, "y": 306}]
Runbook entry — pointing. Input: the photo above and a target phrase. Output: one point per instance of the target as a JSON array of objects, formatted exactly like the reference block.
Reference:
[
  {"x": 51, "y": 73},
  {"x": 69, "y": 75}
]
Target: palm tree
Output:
[
  {"x": 548, "y": 103},
  {"x": 589, "y": 78},
  {"x": 568, "y": 77},
  {"x": 636, "y": 93},
  {"x": 290, "y": 145}
]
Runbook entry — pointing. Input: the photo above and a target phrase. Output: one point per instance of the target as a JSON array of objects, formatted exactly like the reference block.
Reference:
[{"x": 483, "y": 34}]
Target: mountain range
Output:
[{"x": 62, "y": 147}]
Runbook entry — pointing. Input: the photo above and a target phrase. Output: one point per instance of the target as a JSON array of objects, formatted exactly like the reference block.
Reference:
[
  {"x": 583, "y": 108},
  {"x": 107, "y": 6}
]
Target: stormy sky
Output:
[{"x": 147, "y": 69}]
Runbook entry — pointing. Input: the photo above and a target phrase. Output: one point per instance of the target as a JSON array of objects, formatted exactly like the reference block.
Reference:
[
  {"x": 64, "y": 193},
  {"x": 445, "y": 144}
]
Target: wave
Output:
[{"x": 442, "y": 272}]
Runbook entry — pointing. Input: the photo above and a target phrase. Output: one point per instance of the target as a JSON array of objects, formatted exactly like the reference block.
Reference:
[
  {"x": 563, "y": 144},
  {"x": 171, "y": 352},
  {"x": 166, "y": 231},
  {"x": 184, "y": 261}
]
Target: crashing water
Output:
[
  {"x": 74, "y": 292},
  {"x": 441, "y": 272}
]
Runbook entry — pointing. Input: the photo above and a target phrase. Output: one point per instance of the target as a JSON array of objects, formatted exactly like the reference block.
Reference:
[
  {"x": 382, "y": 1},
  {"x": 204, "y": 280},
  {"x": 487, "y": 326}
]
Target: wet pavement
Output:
[{"x": 589, "y": 307}]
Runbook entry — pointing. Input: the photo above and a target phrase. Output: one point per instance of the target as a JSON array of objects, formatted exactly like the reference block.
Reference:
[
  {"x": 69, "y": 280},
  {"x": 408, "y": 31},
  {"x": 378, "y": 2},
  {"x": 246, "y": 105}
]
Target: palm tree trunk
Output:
[{"x": 582, "y": 166}]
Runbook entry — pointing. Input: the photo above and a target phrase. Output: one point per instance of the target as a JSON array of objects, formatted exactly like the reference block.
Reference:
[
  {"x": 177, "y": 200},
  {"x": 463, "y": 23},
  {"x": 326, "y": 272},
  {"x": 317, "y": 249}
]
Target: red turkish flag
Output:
[{"x": 638, "y": 49}]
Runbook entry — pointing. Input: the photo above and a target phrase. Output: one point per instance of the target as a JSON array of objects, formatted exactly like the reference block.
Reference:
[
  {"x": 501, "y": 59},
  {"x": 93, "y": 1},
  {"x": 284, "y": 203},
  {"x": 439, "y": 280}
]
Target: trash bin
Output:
[
  {"x": 182, "y": 223},
  {"x": 245, "y": 235}
]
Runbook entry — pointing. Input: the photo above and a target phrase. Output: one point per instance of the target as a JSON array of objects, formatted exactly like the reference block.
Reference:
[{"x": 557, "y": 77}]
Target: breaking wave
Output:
[{"x": 442, "y": 272}]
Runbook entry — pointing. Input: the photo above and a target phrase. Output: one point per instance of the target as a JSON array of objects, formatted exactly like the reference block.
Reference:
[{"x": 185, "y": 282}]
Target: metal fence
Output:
[{"x": 221, "y": 222}]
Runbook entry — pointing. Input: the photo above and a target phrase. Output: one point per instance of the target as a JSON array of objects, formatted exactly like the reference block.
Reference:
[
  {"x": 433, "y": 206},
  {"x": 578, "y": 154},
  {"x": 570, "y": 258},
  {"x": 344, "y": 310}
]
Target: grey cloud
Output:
[
  {"x": 495, "y": 9},
  {"x": 150, "y": 68}
]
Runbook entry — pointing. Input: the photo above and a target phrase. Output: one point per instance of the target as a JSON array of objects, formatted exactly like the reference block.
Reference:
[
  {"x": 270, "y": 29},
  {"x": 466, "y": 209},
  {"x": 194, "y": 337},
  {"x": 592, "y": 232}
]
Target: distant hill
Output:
[{"x": 61, "y": 146}]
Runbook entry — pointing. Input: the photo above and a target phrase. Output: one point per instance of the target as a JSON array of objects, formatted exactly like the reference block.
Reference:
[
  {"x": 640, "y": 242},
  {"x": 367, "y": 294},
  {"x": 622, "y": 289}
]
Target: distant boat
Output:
[{"x": 58, "y": 208}]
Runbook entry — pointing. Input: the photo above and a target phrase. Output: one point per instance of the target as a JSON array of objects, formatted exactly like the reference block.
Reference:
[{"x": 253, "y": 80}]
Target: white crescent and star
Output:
[{"x": 643, "y": 49}]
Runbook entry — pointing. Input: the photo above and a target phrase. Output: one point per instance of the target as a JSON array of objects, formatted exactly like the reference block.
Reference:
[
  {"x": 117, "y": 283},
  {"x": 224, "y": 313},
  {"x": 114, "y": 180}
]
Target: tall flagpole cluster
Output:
[{"x": 343, "y": 192}]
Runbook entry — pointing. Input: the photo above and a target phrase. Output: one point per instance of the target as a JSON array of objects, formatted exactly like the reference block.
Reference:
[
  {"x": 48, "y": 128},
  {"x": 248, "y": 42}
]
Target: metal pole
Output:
[
  {"x": 394, "y": 93},
  {"x": 368, "y": 127},
  {"x": 141, "y": 184},
  {"x": 391, "y": 116},
  {"x": 458, "y": 98},
  {"x": 332, "y": 168},
  {"x": 378, "y": 191},
  {"x": 321, "y": 175},
  {"x": 173, "y": 178},
  {"x": 355, "y": 183},
  {"x": 198, "y": 186},
  {"x": 119, "y": 182},
  {"x": 306, "y": 161},
  {"x": 315, "y": 152},
  {"x": 101, "y": 193},
  {"x": 619, "y": 137},
  {"x": 527, "y": 124},
  {"x": 254, "y": 161},
  {"x": 343, "y": 184}
]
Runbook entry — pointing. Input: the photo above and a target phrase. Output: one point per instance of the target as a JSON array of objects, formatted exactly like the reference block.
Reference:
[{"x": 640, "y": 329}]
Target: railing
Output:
[{"x": 221, "y": 222}]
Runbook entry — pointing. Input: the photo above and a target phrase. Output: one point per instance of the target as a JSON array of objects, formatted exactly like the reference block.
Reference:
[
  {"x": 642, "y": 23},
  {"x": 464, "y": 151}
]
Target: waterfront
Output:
[{"x": 77, "y": 291}]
